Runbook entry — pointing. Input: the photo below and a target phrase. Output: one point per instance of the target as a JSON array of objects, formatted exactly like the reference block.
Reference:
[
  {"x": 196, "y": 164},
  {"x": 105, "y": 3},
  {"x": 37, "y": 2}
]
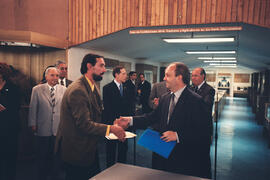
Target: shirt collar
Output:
[
  {"x": 64, "y": 79},
  {"x": 50, "y": 87},
  {"x": 117, "y": 83},
  {"x": 201, "y": 85},
  {"x": 92, "y": 86},
  {"x": 178, "y": 93}
]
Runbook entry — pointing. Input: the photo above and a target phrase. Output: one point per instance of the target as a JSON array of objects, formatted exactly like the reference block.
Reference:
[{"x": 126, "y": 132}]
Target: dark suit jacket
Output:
[
  {"x": 131, "y": 95},
  {"x": 80, "y": 128},
  {"x": 10, "y": 99},
  {"x": 144, "y": 96},
  {"x": 115, "y": 105},
  {"x": 68, "y": 82},
  {"x": 207, "y": 92},
  {"x": 190, "y": 121}
]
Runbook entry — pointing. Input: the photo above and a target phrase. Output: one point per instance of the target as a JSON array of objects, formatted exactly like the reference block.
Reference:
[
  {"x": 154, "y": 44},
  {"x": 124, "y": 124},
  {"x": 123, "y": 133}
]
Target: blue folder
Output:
[{"x": 150, "y": 139}]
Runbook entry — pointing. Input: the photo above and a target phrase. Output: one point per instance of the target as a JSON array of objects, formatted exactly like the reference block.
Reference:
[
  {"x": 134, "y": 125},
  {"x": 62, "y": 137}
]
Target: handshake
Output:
[{"x": 119, "y": 126}]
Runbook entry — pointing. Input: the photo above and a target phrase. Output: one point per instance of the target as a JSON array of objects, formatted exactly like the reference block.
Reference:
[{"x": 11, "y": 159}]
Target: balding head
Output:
[{"x": 198, "y": 76}]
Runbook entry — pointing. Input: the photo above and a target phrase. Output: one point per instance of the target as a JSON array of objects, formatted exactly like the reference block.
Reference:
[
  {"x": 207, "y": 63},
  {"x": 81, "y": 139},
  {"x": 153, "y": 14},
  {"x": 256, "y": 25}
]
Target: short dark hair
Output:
[
  {"x": 131, "y": 73},
  {"x": 117, "y": 70},
  {"x": 182, "y": 69},
  {"x": 203, "y": 73},
  {"x": 89, "y": 58},
  {"x": 141, "y": 74}
]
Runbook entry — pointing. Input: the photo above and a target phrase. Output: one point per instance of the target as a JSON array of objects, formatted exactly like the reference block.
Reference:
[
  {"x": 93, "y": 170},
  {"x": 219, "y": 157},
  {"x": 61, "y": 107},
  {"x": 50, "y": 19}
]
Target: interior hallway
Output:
[{"x": 242, "y": 150}]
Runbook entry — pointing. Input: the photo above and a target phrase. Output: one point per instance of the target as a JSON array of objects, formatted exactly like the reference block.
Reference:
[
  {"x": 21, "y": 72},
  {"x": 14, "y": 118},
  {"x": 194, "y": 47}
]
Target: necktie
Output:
[
  {"x": 52, "y": 97},
  {"x": 171, "y": 107},
  {"x": 62, "y": 82},
  {"x": 121, "y": 89},
  {"x": 196, "y": 89}
]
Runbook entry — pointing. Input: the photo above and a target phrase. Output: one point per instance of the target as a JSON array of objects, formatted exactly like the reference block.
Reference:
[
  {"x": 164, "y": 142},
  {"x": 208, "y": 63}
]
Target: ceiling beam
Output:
[{"x": 32, "y": 37}]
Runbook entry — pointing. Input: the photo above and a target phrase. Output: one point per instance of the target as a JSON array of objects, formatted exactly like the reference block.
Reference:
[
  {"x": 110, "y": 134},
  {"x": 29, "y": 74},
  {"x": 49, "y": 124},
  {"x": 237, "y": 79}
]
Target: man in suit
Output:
[
  {"x": 116, "y": 104},
  {"x": 130, "y": 85},
  {"x": 80, "y": 123},
  {"x": 157, "y": 91},
  {"x": 62, "y": 67},
  {"x": 179, "y": 117},
  {"x": 44, "y": 118},
  {"x": 10, "y": 100},
  {"x": 144, "y": 90},
  {"x": 206, "y": 91}
]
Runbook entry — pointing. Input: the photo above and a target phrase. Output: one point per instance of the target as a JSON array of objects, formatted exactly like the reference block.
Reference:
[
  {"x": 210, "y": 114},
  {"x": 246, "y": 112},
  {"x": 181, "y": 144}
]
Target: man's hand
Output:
[
  {"x": 155, "y": 101},
  {"x": 119, "y": 132},
  {"x": 34, "y": 129},
  {"x": 123, "y": 122},
  {"x": 169, "y": 136}
]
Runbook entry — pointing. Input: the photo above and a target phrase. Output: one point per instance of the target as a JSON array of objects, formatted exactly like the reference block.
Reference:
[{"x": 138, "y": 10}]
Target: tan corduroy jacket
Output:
[{"x": 80, "y": 124}]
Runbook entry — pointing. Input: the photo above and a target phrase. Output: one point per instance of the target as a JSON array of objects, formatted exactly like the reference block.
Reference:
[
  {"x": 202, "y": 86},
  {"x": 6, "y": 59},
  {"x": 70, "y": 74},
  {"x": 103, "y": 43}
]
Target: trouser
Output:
[
  {"x": 190, "y": 168},
  {"x": 8, "y": 156},
  {"x": 74, "y": 172},
  {"x": 48, "y": 163}
]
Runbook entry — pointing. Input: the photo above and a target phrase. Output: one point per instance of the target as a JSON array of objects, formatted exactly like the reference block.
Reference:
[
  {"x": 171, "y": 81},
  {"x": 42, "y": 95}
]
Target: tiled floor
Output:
[{"x": 242, "y": 152}]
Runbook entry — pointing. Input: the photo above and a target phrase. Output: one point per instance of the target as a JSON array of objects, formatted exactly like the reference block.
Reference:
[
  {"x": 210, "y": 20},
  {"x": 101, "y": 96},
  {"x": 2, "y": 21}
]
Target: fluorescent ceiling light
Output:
[
  {"x": 221, "y": 66},
  {"x": 210, "y": 52},
  {"x": 216, "y": 58},
  {"x": 215, "y": 61},
  {"x": 8, "y": 43},
  {"x": 198, "y": 40},
  {"x": 213, "y": 64}
]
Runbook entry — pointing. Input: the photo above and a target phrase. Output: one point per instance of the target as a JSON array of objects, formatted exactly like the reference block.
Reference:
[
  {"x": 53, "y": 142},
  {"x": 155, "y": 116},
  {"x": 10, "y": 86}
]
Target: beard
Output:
[{"x": 97, "y": 77}]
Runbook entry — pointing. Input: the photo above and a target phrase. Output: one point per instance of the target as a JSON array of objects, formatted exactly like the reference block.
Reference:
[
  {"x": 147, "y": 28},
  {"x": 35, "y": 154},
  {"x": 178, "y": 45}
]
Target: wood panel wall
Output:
[
  {"x": 211, "y": 77},
  {"x": 30, "y": 61},
  {"x": 241, "y": 78},
  {"x": 90, "y": 19}
]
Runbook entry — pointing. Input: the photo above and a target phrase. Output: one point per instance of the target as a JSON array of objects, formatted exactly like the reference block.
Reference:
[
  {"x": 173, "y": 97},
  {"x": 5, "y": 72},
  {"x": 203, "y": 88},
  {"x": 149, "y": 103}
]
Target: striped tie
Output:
[{"x": 52, "y": 97}]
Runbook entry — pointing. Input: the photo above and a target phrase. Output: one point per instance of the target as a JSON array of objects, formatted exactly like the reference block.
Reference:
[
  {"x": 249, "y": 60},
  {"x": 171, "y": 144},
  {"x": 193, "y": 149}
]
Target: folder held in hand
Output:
[{"x": 150, "y": 139}]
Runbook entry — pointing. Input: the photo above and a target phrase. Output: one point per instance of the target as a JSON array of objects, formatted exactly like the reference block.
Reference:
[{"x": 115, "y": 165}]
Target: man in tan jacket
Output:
[{"x": 80, "y": 122}]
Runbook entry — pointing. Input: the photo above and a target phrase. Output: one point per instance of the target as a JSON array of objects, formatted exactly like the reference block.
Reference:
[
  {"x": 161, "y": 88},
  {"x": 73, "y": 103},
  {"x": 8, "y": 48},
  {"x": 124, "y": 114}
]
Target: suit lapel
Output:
[
  {"x": 116, "y": 89},
  {"x": 179, "y": 104},
  {"x": 202, "y": 88},
  {"x": 166, "y": 109},
  {"x": 46, "y": 93},
  {"x": 94, "y": 97},
  {"x": 57, "y": 92}
]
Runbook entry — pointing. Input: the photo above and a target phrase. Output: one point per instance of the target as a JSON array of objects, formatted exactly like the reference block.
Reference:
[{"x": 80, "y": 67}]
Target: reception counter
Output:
[{"x": 124, "y": 171}]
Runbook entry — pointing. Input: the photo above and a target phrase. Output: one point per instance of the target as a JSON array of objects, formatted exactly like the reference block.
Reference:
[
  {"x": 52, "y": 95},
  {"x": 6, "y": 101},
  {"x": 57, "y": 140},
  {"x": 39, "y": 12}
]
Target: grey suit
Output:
[
  {"x": 41, "y": 113},
  {"x": 46, "y": 118},
  {"x": 157, "y": 91}
]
